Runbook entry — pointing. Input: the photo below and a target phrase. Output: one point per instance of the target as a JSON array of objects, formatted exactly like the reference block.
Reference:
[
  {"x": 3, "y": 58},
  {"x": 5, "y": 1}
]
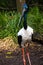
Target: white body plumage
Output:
[{"x": 26, "y": 34}]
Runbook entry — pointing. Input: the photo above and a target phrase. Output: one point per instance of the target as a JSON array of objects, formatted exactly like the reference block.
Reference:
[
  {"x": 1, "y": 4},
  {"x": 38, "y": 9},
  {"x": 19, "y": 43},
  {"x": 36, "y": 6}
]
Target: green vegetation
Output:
[
  {"x": 9, "y": 22},
  {"x": 35, "y": 19}
]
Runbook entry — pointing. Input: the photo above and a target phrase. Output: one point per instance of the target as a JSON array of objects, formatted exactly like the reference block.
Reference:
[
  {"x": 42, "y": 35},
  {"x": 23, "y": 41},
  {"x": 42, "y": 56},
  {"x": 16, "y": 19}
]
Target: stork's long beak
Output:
[{"x": 23, "y": 55}]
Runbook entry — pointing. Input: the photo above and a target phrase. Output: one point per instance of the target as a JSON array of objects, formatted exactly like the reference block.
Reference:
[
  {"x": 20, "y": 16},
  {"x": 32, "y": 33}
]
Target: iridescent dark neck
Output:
[{"x": 25, "y": 25}]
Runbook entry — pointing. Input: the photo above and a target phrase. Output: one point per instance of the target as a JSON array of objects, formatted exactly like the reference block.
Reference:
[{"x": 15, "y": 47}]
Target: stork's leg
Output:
[
  {"x": 19, "y": 42},
  {"x": 23, "y": 54},
  {"x": 27, "y": 53}
]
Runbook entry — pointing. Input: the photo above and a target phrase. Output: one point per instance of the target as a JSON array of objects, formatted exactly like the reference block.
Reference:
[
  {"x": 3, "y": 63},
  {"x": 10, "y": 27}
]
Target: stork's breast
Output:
[{"x": 26, "y": 37}]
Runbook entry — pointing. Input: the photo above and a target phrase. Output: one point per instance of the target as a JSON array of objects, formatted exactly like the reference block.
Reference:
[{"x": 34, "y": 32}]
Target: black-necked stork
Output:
[{"x": 24, "y": 34}]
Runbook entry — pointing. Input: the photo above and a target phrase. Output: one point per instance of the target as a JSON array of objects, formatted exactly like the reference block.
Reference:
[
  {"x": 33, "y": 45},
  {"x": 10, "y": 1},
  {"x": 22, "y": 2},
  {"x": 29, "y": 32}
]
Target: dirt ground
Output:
[{"x": 11, "y": 55}]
